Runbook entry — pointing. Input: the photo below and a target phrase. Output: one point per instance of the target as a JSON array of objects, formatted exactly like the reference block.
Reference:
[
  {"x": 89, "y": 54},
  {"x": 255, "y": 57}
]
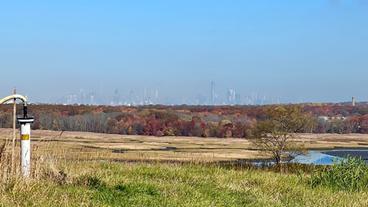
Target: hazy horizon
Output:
[{"x": 169, "y": 52}]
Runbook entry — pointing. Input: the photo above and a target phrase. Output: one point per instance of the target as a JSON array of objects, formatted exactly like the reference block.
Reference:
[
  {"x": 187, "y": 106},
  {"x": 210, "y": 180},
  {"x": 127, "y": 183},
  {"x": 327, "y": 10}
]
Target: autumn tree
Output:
[{"x": 275, "y": 134}]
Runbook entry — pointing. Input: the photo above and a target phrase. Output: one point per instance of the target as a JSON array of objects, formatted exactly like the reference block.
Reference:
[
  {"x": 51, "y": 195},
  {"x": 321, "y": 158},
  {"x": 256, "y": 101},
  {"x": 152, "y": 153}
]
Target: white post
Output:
[
  {"x": 25, "y": 135},
  {"x": 14, "y": 131}
]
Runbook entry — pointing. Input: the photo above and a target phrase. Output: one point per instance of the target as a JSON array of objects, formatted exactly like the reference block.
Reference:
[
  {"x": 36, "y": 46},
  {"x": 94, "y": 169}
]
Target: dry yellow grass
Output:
[{"x": 94, "y": 146}]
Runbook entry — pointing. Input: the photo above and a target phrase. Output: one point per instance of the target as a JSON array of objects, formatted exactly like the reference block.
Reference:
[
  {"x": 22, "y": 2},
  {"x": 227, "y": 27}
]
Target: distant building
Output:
[
  {"x": 213, "y": 93},
  {"x": 332, "y": 118},
  {"x": 115, "y": 98},
  {"x": 231, "y": 96},
  {"x": 323, "y": 118},
  {"x": 238, "y": 99},
  {"x": 353, "y": 101}
]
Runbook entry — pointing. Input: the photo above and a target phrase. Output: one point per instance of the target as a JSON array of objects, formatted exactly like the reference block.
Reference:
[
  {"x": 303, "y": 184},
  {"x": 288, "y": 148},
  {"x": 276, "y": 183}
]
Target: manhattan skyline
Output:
[{"x": 286, "y": 51}]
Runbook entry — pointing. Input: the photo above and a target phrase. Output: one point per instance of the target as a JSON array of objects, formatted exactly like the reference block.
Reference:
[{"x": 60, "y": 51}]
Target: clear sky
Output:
[{"x": 305, "y": 50}]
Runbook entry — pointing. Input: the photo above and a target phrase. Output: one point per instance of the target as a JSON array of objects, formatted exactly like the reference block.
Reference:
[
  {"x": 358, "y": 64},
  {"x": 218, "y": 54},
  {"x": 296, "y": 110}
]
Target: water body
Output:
[
  {"x": 329, "y": 157},
  {"x": 359, "y": 153}
]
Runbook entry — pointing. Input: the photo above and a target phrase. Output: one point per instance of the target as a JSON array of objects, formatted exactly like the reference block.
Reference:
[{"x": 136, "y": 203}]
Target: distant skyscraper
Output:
[
  {"x": 82, "y": 97},
  {"x": 238, "y": 99},
  {"x": 353, "y": 101},
  {"x": 116, "y": 97},
  {"x": 213, "y": 93},
  {"x": 131, "y": 98},
  {"x": 156, "y": 96},
  {"x": 231, "y": 96},
  {"x": 92, "y": 99}
]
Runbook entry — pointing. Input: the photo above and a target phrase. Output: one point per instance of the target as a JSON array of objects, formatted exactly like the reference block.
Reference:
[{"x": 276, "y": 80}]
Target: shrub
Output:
[{"x": 350, "y": 174}]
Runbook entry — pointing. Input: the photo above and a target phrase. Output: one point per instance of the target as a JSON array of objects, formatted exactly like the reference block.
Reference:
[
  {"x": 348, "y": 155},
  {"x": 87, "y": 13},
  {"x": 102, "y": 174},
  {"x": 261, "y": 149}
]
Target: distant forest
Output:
[{"x": 200, "y": 121}]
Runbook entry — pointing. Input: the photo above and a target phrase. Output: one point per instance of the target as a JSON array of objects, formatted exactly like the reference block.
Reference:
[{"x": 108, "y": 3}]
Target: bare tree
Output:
[{"x": 276, "y": 133}]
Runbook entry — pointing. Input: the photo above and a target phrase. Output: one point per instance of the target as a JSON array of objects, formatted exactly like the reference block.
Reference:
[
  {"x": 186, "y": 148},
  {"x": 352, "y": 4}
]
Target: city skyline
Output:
[
  {"x": 286, "y": 51},
  {"x": 222, "y": 96}
]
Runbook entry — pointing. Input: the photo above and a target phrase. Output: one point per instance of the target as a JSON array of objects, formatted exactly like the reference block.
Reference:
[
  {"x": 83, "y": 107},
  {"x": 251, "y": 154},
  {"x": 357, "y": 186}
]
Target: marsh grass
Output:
[
  {"x": 350, "y": 174},
  {"x": 71, "y": 175}
]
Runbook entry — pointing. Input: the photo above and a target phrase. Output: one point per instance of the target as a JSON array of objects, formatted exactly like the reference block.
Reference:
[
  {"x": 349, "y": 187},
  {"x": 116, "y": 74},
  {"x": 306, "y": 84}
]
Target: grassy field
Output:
[
  {"x": 93, "y": 146},
  {"x": 86, "y": 169},
  {"x": 155, "y": 184}
]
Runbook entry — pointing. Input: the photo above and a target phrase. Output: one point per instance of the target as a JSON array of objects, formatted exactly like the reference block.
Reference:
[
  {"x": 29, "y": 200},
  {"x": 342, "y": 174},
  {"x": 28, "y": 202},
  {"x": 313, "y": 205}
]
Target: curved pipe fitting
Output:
[
  {"x": 15, "y": 97},
  {"x": 12, "y": 97}
]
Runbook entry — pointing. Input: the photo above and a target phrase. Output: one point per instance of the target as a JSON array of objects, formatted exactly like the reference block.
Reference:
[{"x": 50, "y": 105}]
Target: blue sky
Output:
[{"x": 311, "y": 50}]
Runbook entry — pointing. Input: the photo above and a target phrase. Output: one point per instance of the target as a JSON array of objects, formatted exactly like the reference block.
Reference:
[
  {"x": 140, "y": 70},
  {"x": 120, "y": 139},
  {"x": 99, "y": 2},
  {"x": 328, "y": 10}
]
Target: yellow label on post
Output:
[{"x": 25, "y": 137}]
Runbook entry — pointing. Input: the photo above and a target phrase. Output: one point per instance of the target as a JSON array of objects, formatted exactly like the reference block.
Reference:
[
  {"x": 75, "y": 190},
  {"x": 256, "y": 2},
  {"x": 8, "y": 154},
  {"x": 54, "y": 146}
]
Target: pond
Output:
[{"x": 329, "y": 157}]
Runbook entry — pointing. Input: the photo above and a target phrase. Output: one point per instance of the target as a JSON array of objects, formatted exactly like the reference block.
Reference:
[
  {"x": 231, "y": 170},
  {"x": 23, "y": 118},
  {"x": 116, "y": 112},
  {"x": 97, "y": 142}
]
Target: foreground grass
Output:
[{"x": 139, "y": 184}]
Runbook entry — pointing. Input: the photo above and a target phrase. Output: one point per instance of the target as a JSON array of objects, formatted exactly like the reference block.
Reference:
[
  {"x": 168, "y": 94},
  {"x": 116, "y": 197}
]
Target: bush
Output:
[{"x": 350, "y": 174}]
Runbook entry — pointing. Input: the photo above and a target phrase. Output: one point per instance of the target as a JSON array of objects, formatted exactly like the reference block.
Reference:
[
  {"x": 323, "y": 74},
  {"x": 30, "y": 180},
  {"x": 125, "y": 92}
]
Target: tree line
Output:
[{"x": 199, "y": 121}]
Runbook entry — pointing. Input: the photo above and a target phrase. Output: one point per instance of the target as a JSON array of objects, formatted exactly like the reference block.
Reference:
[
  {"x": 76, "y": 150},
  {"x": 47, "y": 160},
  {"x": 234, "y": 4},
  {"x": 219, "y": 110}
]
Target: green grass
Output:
[
  {"x": 350, "y": 175},
  {"x": 142, "y": 184}
]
